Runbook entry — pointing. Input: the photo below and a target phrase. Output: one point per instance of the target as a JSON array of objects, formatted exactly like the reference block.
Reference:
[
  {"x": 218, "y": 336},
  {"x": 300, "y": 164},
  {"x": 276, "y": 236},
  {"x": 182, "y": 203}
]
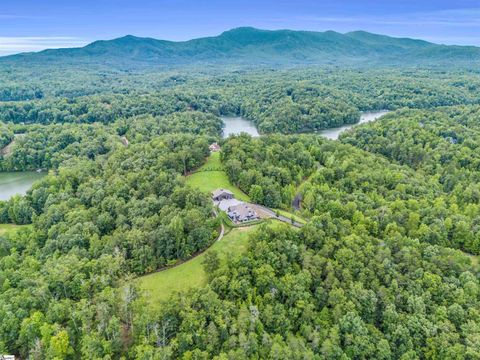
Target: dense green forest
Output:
[
  {"x": 93, "y": 222},
  {"x": 372, "y": 274},
  {"x": 330, "y": 291},
  {"x": 277, "y": 101},
  {"x": 6, "y": 135},
  {"x": 386, "y": 266},
  {"x": 356, "y": 186}
]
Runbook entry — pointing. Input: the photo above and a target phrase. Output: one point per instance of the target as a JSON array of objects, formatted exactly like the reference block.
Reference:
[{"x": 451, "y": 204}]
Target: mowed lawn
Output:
[
  {"x": 207, "y": 180},
  {"x": 159, "y": 286}
]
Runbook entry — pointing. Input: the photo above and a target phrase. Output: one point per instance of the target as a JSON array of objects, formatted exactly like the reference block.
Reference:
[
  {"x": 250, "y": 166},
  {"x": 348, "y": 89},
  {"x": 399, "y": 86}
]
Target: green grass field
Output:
[
  {"x": 207, "y": 181},
  {"x": 7, "y": 228},
  {"x": 159, "y": 286}
]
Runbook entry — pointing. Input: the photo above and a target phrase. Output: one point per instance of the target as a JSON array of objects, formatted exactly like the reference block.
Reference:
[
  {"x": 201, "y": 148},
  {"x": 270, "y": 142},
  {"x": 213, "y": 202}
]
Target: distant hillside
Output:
[{"x": 255, "y": 47}]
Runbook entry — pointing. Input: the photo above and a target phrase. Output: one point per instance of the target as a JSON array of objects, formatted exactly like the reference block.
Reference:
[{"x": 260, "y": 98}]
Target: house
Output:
[
  {"x": 214, "y": 147},
  {"x": 242, "y": 213},
  {"x": 221, "y": 194}
]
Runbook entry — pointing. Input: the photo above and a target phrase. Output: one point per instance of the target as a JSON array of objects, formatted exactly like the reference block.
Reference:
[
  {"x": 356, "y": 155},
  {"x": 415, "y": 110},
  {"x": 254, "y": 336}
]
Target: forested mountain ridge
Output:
[{"x": 255, "y": 47}]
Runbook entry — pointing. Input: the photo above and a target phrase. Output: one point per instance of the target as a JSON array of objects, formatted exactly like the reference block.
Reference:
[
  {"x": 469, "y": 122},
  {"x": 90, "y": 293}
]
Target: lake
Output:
[
  {"x": 236, "y": 125},
  {"x": 366, "y": 117},
  {"x": 13, "y": 183}
]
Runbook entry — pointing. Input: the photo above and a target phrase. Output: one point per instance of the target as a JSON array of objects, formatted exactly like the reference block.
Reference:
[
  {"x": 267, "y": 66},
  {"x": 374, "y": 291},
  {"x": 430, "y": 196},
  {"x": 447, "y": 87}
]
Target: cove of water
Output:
[
  {"x": 236, "y": 125},
  {"x": 366, "y": 117},
  {"x": 13, "y": 183}
]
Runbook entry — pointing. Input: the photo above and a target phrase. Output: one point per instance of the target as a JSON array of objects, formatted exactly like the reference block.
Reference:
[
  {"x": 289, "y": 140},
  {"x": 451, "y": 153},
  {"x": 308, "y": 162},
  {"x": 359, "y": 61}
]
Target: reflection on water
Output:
[
  {"x": 237, "y": 125},
  {"x": 366, "y": 117},
  {"x": 13, "y": 183}
]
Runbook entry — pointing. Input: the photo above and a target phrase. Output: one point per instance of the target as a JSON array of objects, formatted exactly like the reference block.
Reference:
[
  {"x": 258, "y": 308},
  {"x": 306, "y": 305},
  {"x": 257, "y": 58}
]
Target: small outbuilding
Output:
[
  {"x": 214, "y": 147},
  {"x": 222, "y": 194}
]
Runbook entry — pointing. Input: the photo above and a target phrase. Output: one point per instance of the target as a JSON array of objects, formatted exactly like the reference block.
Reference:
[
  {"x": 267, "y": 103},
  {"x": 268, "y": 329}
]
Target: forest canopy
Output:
[{"x": 385, "y": 267}]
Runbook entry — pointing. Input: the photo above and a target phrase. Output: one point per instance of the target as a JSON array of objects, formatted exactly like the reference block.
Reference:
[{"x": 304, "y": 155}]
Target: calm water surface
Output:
[
  {"x": 366, "y": 117},
  {"x": 13, "y": 183},
  {"x": 237, "y": 125}
]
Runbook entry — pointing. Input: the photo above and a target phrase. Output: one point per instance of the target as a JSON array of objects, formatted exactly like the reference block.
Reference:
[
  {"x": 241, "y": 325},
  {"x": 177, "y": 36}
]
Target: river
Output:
[{"x": 13, "y": 183}]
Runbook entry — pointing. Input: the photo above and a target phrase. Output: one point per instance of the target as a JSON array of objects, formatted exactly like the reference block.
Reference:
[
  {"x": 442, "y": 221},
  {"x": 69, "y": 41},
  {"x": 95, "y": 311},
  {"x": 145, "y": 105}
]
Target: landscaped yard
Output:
[
  {"x": 208, "y": 180},
  {"x": 190, "y": 274}
]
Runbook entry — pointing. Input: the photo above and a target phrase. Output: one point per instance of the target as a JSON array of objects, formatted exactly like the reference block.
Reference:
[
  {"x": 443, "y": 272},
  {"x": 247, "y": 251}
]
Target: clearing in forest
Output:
[
  {"x": 9, "y": 228},
  {"x": 211, "y": 176}
]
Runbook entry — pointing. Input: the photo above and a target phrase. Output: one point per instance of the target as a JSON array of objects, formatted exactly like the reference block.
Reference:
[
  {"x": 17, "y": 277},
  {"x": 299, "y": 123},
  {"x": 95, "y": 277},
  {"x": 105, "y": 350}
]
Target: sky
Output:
[{"x": 33, "y": 25}]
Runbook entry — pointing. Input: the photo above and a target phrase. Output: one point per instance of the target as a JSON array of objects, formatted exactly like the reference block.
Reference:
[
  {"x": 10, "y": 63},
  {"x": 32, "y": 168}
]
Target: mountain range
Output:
[{"x": 259, "y": 47}]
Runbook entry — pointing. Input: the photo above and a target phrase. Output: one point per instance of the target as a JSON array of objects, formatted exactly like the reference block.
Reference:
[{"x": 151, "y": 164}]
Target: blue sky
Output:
[{"x": 32, "y": 25}]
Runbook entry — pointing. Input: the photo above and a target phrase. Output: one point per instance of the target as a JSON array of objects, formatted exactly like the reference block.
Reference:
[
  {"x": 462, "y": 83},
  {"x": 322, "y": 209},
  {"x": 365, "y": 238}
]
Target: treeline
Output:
[
  {"x": 93, "y": 223},
  {"x": 299, "y": 107},
  {"x": 106, "y": 109},
  {"x": 48, "y": 146},
  {"x": 6, "y": 135},
  {"x": 19, "y": 94},
  {"x": 147, "y": 127},
  {"x": 373, "y": 274}
]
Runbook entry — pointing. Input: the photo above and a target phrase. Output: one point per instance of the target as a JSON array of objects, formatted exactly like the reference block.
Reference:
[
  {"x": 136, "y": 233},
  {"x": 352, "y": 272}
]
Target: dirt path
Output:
[
  {"x": 222, "y": 228},
  {"x": 7, "y": 150},
  {"x": 297, "y": 201}
]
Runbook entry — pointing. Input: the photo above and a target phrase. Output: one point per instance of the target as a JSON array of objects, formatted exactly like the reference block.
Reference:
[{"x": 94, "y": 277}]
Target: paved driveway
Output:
[
  {"x": 262, "y": 209},
  {"x": 225, "y": 204}
]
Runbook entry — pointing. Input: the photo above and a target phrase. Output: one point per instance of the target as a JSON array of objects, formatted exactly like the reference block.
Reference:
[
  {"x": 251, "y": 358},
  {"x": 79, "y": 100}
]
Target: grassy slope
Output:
[
  {"x": 161, "y": 285},
  {"x": 7, "y": 228},
  {"x": 190, "y": 274},
  {"x": 207, "y": 181}
]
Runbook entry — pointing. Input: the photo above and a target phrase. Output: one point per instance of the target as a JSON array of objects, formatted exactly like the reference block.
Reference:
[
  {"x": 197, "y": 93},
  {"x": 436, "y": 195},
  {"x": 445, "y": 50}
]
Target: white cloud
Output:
[
  {"x": 453, "y": 18},
  {"x": 13, "y": 45}
]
